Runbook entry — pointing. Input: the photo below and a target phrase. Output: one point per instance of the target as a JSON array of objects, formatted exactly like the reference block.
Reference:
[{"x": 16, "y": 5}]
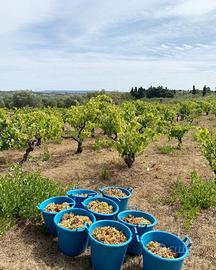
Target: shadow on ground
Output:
[{"x": 44, "y": 249}]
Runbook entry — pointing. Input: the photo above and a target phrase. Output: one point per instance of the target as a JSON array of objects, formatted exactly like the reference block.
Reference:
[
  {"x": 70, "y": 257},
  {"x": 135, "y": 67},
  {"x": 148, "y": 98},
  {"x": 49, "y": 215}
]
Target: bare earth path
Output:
[{"x": 152, "y": 177}]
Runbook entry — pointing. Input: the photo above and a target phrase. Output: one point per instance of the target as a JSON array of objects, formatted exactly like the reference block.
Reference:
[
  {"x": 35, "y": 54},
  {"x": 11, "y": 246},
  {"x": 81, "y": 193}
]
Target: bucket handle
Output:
[
  {"x": 92, "y": 195},
  {"x": 138, "y": 237},
  {"x": 38, "y": 207},
  {"x": 116, "y": 200},
  {"x": 189, "y": 240},
  {"x": 130, "y": 189},
  {"x": 138, "y": 226},
  {"x": 71, "y": 204},
  {"x": 86, "y": 228},
  {"x": 67, "y": 192},
  {"x": 101, "y": 189},
  {"x": 83, "y": 205},
  {"x": 134, "y": 231},
  {"x": 69, "y": 195},
  {"x": 142, "y": 226}
]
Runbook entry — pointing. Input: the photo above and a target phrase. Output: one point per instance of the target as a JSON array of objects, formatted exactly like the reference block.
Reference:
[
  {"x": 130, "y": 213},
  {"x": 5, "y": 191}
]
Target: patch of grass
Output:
[
  {"x": 191, "y": 199},
  {"x": 21, "y": 192},
  {"x": 46, "y": 153},
  {"x": 165, "y": 149},
  {"x": 5, "y": 224},
  {"x": 100, "y": 144},
  {"x": 35, "y": 160},
  {"x": 97, "y": 145},
  {"x": 105, "y": 173}
]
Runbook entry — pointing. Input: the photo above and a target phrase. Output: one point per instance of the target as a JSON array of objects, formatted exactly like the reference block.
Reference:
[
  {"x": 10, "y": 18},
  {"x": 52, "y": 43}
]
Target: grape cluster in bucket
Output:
[
  {"x": 161, "y": 250},
  {"x": 71, "y": 221},
  {"x": 136, "y": 220},
  {"x": 115, "y": 192},
  {"x": 100, "y": 207},
  {"x": 109, "y": 235},
  {"x": 107, "y": 223},
  {"x": 57, "y": 207}
]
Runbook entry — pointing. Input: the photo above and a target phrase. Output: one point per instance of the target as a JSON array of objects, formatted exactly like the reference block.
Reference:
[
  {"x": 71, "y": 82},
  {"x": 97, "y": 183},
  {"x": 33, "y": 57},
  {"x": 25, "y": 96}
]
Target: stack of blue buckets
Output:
[{"x": 106, "y": 256}]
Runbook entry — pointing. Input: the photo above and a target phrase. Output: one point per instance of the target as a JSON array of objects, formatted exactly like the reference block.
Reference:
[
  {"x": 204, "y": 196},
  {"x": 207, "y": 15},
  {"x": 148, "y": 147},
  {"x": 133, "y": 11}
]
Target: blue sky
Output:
[{"x": 112, "y": 44}]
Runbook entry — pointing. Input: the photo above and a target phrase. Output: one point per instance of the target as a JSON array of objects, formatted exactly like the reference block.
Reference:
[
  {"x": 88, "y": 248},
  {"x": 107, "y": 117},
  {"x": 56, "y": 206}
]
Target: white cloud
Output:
[
  {"x": 197, "y": 8},
  {"x": 205, "y": 46},
  {"x": 102, "y": 71},
  {"x": 164, "y": 46},
  {"x": 106, "y": 44},
  {"x": 179, "y": 48},
  {"x": 187, "y": 46},
  {"x": 17, "y": 14}
]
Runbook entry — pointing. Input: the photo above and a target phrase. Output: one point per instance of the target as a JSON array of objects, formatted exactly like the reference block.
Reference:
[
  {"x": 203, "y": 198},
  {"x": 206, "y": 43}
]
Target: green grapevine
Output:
[
  {"x": 27, "y": 128},
  {"x": 178, "y": 131},
  {"x": 207, "y": 141}
]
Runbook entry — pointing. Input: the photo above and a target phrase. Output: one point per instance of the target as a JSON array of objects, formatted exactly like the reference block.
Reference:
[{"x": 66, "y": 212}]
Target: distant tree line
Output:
[
  {"x": 164, "y": 92},
  {"x": 206, "y": 90},
  {"x": 27, "y": 98},
  {"x": 152, "y": 92},
  {"x": 20, "y": 99}
]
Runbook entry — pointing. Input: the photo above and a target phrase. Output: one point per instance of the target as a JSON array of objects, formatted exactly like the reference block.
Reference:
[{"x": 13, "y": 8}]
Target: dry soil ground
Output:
[{"x": 152, "y": 177}]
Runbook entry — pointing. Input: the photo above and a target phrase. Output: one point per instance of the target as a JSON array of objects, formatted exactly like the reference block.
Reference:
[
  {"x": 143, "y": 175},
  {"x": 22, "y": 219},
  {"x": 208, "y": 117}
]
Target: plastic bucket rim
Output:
[
  {"x": 116, "y": 187},
  {"x": 76, "y": 190},
  {"x": 134, "y": 225},
  {"x": 165, "y": 259},
  {"x": 110, "y": 245},
  {"x": 74, "y": 230},
  {"x": 48, "y": 212},
  {"x": 55, "y": 213},
  {"x": 101, "y": 214}
]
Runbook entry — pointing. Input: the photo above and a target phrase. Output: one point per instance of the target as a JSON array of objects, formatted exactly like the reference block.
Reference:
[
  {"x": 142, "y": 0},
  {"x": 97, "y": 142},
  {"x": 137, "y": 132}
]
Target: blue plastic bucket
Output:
[
  {"x": 79, "y": 199},
  {"x": 72, "y": 242},
  {"x": 134, "y": 247},
  {"x": 98, "y": 215},
  {"x": 105, "y": 256},
  {"x": 152, "y": 261},
  {"x": 122, "y": 201},
  {"x": 48, "y": 217}
]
